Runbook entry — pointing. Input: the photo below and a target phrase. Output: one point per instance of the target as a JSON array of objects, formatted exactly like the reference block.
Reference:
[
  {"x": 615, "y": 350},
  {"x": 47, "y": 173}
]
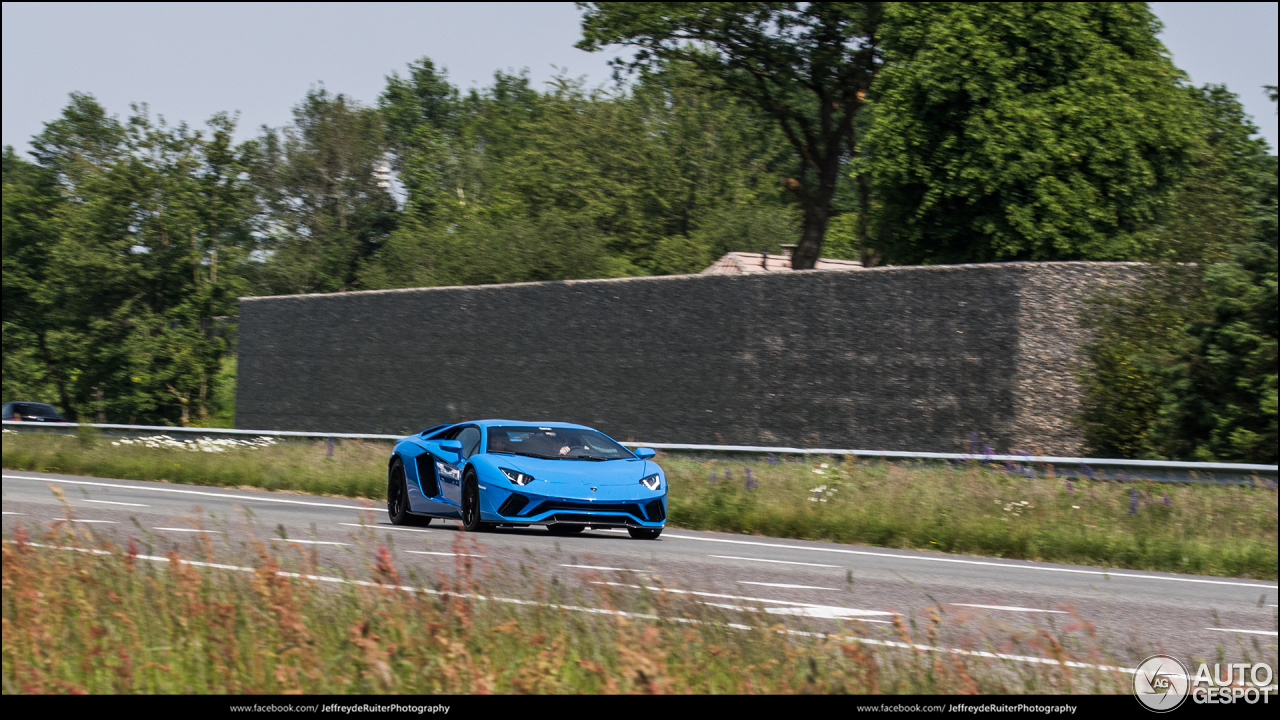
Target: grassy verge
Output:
[
  {"x": 1203, "y": 529},
  {"x": 118, "y": 622}
]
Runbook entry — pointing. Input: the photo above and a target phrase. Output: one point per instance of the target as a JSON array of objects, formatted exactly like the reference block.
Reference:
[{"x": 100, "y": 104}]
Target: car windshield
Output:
[
  {"x": 556, "y": 443},
  {"x": 36, "y": 409}
]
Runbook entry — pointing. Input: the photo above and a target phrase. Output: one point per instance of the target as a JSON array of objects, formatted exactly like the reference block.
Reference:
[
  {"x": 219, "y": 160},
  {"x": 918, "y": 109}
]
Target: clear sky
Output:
[{"x": 188, "y": 61}]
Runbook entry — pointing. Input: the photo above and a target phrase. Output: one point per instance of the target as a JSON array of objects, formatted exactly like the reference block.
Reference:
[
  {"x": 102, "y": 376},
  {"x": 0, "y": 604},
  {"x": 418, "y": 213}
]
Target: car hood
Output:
[{"x": 579, "y": 472}]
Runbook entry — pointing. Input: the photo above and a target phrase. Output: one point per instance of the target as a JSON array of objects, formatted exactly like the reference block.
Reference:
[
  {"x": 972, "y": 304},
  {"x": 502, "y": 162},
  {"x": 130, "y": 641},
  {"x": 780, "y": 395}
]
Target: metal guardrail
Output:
[{"x": 1158, "y": 465}]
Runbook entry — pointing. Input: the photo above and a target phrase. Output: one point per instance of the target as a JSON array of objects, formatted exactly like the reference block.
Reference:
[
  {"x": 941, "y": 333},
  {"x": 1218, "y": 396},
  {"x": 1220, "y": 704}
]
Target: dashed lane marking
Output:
[
  {"x": 895, "y": 556},
  {"x": 784, "y": 585},
  {"x": 385, "y": 527},
  {"x": 1010, "y": 608},
  {"x": 1251, "y": 632},
  {"x": 780, "y": 562},
  {"x": 448, "y": 554},
  {"x": 113, "y": 502},
  {"x": 309, "y": 542},
  {"x": 224, "y": 496}
]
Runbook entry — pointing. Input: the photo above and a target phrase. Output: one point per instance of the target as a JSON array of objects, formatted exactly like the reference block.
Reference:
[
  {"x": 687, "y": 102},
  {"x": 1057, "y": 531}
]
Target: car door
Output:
[{"x": 451, "y": 476}]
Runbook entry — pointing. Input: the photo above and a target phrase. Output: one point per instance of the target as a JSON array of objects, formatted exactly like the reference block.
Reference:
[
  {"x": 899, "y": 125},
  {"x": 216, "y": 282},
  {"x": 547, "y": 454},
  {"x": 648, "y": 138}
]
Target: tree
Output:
[
  {"x": 124, "y": 244},
  {"x": 809, "y": 66},
  {"x": 1184, "y": 365},
  {"x": 1026, "y": 131},
  {"x": 324, "y": 211}
]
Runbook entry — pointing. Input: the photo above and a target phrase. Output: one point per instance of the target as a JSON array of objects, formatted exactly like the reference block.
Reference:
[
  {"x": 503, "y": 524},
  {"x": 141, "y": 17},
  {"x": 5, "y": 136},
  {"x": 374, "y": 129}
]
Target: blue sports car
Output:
[{"x": 492, "y": 473}]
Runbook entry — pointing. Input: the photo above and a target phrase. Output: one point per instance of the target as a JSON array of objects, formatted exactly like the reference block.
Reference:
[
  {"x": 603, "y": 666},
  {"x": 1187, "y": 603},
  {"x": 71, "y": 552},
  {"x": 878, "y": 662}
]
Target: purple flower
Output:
[
  {"x": 1070, "y": 488},
  {"x": 986, "y": 450},
  {"x": 1133, "y": 503},
  {"x": 728, "y": 474},
  {"x": 712, "y": 479},
  {"x": 773, "y": 459},
  {"x": 751, "y": 483},
  {"x": 750, "y": 478},
  {"x": 1167, "y": 500},
  {"x": 1086, "y": 471},
  {"x": 1030, "y": 472},
  {"x": 973, "y": 443}
]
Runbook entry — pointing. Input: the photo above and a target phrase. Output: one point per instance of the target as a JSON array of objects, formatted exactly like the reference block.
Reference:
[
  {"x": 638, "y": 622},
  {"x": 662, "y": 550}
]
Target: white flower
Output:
[
  {"x": 824, "y": 465},
  {"x": 1075, "y": 507},
  {"x": 819, "y": 472}
]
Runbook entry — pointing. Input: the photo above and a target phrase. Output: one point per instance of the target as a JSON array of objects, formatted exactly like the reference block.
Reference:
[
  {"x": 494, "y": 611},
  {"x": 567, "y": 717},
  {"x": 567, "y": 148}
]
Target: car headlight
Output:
[
  {"x": 517, "y": 477},
  {"x": 652, "y": 482}
]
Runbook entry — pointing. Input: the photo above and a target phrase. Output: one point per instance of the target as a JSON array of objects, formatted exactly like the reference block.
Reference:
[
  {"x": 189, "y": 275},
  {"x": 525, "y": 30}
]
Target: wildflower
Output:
[
  {"x": 773, "y": 459},
  {"x": 1086, "y": 471},
  {"x": 712, "y": 479},
  {"x": 1075, "y": 507},
  {"x": 816, "y": 471},
  {"x": 1070, "y": 488},
  {"x": 973, "y": 443},
  {"x": 1167, "y": 501},
  {"x": 1133, "y": 502}
]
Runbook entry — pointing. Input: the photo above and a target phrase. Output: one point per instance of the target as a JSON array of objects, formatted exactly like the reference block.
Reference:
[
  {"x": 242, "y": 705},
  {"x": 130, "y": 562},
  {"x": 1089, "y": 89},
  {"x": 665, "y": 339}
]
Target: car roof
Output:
[{"x": 527, "y": 423}]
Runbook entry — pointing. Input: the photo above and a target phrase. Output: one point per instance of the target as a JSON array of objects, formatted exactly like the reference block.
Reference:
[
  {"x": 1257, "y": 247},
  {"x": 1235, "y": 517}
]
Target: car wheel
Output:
[
  {"x": 560, "y": 529},
  {"x": 397, "y": 494},
  {"x": 471, "y": 505},
  {"x": 644, "y": 533}
]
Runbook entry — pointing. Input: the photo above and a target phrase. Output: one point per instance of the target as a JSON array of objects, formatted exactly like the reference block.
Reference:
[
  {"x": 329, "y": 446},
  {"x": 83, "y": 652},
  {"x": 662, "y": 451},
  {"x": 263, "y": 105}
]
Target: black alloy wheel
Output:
[
  {"x": 471, "y": 504},
  {"x": 644, "y": 533},
  {"x": 397, "y": 494},
  {"x": 562, "y": 529}
]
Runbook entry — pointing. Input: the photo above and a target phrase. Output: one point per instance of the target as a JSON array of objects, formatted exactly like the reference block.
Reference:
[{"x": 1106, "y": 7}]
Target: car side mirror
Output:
[
  {"x": 644, "y": 453},
  {"x": 451, "y": 445}
]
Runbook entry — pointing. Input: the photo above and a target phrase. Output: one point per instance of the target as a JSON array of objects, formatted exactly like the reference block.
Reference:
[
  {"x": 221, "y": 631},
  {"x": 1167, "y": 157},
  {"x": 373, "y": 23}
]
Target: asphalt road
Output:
[{"x": 817, "y": 585}]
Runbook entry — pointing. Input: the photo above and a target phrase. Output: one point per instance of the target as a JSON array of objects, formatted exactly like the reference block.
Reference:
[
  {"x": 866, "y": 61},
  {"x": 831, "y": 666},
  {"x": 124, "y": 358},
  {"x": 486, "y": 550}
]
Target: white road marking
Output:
[
  {"x": 741, "y": 597},
  {"x": 224, "y": 496},
  {"x": 110, "y": 522},
  {"x": 780, "y": 562},
  {"x": 309, "y": 542},
  {"x": 216, "y": 532},
  {"x": 428, "y": 552},
  {"x": 385, "y": 527},
  {"x": 620, "y": 613},
  {"x": 784, "y": 585},
  {"x": 1010, "y": 608},
  {"x": 601, "y": 567},
  {"x": 1251, "y": 632},
  {"x": 112, "y": 502},
  {"x": 6, "y": 512},
  {"x": 895, "y": 556},
  {"x": 830, "y": 613}
]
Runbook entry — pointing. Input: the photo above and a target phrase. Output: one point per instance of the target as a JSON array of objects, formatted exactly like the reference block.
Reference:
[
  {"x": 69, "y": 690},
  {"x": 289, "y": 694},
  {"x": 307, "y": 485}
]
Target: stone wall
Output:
[{"x": 896, "y": 358}]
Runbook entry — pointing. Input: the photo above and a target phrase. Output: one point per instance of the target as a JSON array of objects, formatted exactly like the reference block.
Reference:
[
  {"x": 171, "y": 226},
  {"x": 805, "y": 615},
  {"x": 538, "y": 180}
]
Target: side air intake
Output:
[
  {"x": 654, "y": 512},
  {"x": 513, "y": 504}
]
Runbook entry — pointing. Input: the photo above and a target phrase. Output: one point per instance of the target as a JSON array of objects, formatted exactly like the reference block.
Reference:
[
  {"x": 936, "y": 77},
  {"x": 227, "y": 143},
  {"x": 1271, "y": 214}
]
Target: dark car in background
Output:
[{"x": 31, "y": 412}]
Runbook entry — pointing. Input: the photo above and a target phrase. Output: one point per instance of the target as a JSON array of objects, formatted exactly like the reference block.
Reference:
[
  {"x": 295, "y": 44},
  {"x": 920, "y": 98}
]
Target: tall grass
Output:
[
  {"x": 119, "y": 622},
  {"x": 357, "y": 469},
  {"x": 1204, "y": 529},
  {"x": 1228, "y": 530}
]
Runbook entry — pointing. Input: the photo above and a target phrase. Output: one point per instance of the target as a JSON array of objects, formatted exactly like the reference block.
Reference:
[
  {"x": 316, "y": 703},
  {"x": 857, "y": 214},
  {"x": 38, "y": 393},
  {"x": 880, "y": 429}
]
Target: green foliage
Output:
[
  {"x": 1025, "y": 131},
  {"x": 325, "y": 212},
  {"x": 121, "y": 249},
  {"x": 1183, "y": 365},
  {"x": 808, "y": 67}
]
